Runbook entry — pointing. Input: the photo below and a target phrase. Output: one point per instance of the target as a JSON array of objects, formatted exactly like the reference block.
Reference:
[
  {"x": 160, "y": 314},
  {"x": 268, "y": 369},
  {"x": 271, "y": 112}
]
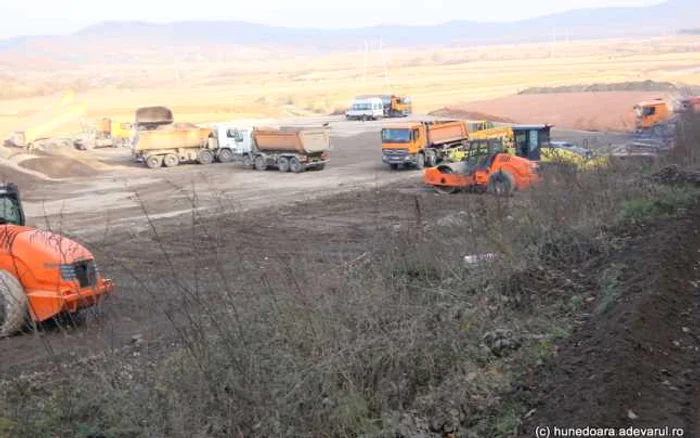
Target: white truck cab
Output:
[
  {"x": 371, "y": 108},
  {"x": 232, "y": 143}
]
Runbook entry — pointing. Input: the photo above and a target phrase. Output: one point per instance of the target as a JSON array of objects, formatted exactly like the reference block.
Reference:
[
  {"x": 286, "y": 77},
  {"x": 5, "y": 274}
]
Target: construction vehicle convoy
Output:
[
  {"x": 161, "y": 142},
  {"x": 418, "y": 144},
  {"x": 42, "y": 274},
  {"x": 489, "y": 164}
]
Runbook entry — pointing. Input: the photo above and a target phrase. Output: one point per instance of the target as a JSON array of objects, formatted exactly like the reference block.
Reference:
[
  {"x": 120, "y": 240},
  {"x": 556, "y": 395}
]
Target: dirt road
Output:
[{"x": 119, "y": 192}]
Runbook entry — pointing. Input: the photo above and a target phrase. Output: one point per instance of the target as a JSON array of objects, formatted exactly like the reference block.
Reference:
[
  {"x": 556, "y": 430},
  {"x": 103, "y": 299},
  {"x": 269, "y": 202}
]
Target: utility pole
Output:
[{"x": 386, "y": 69}]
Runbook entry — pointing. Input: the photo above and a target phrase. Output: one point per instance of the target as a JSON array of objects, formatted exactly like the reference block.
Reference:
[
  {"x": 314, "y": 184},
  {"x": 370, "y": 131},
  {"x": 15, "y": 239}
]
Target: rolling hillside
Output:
[{"x": 669, "y": 17}]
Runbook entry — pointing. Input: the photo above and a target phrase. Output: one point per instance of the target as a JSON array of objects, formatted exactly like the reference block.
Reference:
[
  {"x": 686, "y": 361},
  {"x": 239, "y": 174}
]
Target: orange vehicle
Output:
[
  {"x": 488, "y": 167},
  {"x": 42, "y": 274},
  {"x": 173, "y": 144},
  {"x": 419, "y": 144},
  {"x": 654, "y": 114},
  {"x": 651, "y": 113}
]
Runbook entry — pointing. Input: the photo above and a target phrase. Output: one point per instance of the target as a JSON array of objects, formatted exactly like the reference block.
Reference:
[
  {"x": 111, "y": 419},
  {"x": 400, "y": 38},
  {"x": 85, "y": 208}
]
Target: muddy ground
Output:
[
  {"x": 157, "y": 233},
  {"x": 635, "y": 365}
]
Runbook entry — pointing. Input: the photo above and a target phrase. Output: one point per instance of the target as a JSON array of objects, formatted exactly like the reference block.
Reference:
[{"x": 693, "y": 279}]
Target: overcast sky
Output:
[{"x": 31, "y": 17}]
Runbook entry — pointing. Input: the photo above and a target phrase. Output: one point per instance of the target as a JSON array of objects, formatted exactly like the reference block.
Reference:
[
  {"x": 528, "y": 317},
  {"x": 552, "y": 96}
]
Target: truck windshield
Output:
[
  {"x": 396, "y": 136},
  {"x": 9, "y": 211}
]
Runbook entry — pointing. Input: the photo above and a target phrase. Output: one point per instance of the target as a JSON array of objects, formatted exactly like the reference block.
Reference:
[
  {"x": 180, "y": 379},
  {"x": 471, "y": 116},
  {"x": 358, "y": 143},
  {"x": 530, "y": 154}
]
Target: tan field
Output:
[{"x": 269, "y": 84}]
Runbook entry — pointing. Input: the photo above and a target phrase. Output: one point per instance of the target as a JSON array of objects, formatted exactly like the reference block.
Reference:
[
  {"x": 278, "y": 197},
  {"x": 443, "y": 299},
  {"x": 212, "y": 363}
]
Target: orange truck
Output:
[
  {"x": 170, "y": 145},
  {"x": 653, "y": 115},
  {"x": 290, "y": 149},
  {"x": 488, "y": 166},
  {"x": 418, "y": 144},
  {"x": 42, "y": 274}
]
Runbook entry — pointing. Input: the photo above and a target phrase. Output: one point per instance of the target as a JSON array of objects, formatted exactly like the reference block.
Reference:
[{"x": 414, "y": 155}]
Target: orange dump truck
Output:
[
  {"x": 171, "y": 144},
  {"x": 290, "y": 149},
  {"x": 422, "y": 143},
  {"x": 42, "y": 274}
]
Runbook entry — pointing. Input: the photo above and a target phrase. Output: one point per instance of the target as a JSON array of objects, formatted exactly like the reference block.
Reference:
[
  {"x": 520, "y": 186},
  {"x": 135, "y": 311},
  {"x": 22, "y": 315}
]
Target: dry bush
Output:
[{"x": 403, "y": 340}]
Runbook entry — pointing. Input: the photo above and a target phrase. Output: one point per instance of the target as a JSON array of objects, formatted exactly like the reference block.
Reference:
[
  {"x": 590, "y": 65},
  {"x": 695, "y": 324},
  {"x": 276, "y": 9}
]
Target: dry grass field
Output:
[{"x": 213, "y": 84}]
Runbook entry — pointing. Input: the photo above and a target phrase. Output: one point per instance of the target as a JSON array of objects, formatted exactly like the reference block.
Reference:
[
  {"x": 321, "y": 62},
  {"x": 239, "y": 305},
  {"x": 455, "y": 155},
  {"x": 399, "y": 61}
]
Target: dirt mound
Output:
[
  {"x": 458, "y": 113},
  {"x": 653, "y": 86},
  {"x": 58, "y": 167},
  {"x": 636, "y": 364},
  {"x": 24, "y": 180},
  {"x": 607, "y": 111}
]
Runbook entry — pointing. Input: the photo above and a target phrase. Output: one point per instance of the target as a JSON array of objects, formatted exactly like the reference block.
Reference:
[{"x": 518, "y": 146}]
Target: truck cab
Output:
[
  {"x": 232, "y": 143},
  {"x": 651, "y": 113},
  {"x": 369, "y": 108},
  {"x": 403, "y": 144}
]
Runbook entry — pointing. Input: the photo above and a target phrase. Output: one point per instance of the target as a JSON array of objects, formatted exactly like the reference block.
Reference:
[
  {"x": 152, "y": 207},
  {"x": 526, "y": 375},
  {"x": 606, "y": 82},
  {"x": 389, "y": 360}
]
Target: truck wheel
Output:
[
  {"x": 420, "y": 162},
  {"x": 295, "y": 165},
  {"x": 154, "y": 161},
  {"x": 321, "y": 166},
  {"x": 283, "y": 164},
  {"x": 501, "y": 184},
  {"x": 171, "y": 160},
  {"x": 247, "y": 161},
  {"x": 13, "y": 305},
  {"x": 225, "y": 156},
  {"x": 205, "y": 156},
  {"x": 260, "y": 163}
]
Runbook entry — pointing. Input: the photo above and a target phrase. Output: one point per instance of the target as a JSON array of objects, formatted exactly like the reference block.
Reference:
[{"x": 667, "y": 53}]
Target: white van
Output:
[{"x": 370, "y": 108}]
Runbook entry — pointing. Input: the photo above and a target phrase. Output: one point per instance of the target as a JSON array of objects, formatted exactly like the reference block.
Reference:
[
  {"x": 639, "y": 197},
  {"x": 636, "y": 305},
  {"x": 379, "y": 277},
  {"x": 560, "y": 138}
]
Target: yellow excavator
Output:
[{"x": 44, "y": 124}]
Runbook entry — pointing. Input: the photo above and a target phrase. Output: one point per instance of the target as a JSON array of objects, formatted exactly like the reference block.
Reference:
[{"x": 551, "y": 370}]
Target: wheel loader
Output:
[{"x": 42, "y": 275}]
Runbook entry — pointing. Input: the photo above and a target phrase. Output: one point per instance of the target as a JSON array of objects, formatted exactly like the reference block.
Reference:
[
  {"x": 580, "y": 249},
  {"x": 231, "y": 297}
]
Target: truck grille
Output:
[
  {"x": 84, "y": 271},
  {"x": 399, "y": 153}
]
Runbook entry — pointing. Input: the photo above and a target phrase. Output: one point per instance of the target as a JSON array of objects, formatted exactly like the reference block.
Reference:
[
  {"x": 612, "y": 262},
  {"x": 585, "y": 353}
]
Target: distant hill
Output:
[{"x": 668, "y": 17}]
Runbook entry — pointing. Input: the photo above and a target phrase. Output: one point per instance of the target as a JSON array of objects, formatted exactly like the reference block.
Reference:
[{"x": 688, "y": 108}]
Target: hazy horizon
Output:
[{"x": 46, "y": 17}]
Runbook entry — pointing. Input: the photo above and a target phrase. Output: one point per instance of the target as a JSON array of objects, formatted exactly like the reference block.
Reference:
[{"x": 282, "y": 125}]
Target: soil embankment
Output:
[
  {"x": 589, "y": 111},
  {"x": 636, "y": 365}
]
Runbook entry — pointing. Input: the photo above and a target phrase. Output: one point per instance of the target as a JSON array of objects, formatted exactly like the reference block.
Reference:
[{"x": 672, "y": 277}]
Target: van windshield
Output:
[
  {"x": 396, "y": 136},
  {"x": 362, "y": 106}
]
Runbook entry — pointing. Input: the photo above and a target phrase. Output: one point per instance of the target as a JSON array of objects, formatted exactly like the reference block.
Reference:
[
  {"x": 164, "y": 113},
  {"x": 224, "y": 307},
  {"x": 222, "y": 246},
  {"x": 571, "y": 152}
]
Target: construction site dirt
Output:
[
  {"x": 638, "y": 365},
  {"x": 132, "y": 216}
]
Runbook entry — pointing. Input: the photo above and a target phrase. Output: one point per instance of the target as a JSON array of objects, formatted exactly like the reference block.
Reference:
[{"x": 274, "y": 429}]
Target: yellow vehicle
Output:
[
  {"x": 104, "y": 133},
  {"x": 506, "y": 137},
  {"x": 480, "y": 125}
]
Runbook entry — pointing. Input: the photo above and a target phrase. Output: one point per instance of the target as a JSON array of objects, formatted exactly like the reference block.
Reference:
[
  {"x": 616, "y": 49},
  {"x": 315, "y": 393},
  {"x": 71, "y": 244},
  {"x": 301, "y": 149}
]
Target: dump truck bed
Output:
[
  {"x": 290, "y": 139},
  {"x": 173, "y": 136},
  {"x": 447, "y": 132}
]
